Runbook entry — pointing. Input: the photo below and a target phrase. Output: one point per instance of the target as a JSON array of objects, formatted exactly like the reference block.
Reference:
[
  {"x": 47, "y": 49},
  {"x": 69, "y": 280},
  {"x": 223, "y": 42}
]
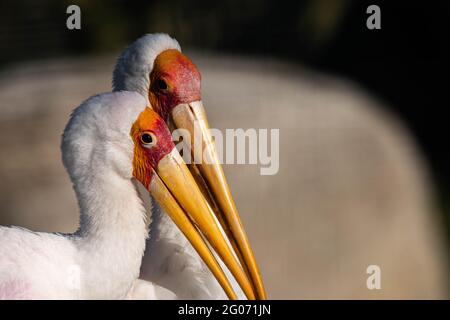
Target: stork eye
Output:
[
  {"x": 162, "y": 85},
  {"x": 148, "y": 139}
]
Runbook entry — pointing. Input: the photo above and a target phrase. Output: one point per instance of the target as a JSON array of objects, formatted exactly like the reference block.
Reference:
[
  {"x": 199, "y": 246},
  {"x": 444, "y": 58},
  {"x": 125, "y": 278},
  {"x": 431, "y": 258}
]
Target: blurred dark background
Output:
[{"x": 403, "y": 63}]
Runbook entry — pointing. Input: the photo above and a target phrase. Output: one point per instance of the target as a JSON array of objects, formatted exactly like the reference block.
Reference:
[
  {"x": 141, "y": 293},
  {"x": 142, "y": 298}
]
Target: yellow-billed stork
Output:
[{"x": 155, "y": 67}]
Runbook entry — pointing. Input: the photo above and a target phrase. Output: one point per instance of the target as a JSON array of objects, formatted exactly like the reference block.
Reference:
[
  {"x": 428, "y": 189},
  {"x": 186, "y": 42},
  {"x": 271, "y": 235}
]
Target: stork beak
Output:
[
  {"x": 176, "y": 191},
  {"x": 211, "y": 179}
]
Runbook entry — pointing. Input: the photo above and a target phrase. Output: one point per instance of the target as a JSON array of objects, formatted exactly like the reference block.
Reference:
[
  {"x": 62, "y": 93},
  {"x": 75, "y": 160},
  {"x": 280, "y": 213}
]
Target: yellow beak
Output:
[
  {"x": 210, "y": 178},
  {"x": 177, "y": 193}
]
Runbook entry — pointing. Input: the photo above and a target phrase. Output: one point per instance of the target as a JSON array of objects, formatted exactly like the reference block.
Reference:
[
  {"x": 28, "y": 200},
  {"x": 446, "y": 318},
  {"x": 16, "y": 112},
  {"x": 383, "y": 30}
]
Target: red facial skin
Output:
[
  {"x": 182, "y": 78},
  {"x": 146, "y": 159}
]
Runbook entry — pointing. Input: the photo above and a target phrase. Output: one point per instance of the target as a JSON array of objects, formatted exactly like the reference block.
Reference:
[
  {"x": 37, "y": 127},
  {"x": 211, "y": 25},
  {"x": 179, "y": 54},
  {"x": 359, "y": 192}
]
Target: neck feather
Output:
[{"x": 112, "y": 234}]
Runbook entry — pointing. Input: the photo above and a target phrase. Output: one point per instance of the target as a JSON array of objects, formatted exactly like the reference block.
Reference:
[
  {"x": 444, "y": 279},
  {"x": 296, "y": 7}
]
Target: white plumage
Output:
[{"x": 102, "y": 259}]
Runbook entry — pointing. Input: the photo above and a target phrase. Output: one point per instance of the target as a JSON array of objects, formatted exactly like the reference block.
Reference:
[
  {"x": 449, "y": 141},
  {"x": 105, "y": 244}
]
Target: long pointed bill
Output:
[
  {"x": 178, "y": 194},
  {"x": 210, "y": 177}
]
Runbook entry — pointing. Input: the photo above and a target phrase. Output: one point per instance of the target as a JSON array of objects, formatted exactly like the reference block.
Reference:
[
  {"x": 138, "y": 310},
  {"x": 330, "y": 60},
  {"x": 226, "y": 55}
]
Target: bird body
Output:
[{"x": 28, "y": 257}]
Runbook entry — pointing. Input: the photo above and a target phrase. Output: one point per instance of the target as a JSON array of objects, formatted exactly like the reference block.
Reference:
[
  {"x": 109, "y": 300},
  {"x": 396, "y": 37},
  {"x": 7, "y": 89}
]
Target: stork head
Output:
[
  {"x": 155, "y": 67},
  {"x": 117, "y": 135},
  {"x": 174, "y": 80}
]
